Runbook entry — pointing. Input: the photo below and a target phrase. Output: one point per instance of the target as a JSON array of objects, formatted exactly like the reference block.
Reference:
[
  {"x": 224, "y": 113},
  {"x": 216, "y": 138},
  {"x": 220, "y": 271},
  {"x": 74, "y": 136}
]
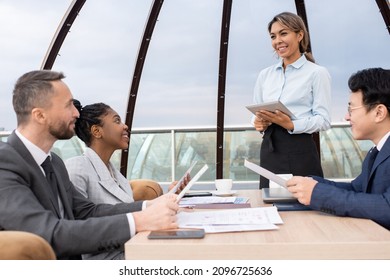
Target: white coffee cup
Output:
[{"x": 224, "y": 185}]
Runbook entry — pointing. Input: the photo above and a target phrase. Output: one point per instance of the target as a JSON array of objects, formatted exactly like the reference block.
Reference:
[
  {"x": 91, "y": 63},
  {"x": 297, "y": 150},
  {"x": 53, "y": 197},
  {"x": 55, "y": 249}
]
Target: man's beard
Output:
[{"x": 61, "y": 132}]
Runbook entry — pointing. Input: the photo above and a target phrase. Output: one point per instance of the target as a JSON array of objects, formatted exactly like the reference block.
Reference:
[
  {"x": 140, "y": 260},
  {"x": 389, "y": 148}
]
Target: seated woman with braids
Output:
[{"x": 103, "y": 132}]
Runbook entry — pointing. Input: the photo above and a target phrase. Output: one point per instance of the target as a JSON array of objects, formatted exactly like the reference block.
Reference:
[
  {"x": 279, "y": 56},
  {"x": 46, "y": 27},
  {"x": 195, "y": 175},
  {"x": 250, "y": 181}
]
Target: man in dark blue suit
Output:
[{"x": 367, "y": 196}]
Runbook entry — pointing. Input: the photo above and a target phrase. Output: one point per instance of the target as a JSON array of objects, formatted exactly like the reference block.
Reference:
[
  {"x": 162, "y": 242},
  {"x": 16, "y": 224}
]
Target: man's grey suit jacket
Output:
[
  {"x": 351, "y": 199},
  {"x": 26, "y": 205}
]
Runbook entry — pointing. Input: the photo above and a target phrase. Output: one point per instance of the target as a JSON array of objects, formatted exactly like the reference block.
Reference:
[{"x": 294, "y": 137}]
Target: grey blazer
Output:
[
  {"x": 93, "y": 179},
  {"x": 25, "y": 205}
]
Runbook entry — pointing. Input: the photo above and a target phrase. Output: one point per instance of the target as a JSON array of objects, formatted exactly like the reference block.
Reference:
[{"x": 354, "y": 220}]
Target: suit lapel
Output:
[
  {"x": 123, "y": 183},
  {"x": 41, "y": 188},
  {"x": 383, "y": 154},
  {"x": 105, "y": 178}
]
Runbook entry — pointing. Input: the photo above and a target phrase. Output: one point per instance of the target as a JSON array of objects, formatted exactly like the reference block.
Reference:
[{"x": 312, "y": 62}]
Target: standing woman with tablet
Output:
[{"x": 305, "y": 89}]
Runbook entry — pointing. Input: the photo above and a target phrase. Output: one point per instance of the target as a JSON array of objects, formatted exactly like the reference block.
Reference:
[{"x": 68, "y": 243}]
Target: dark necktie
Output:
[
  {"x": 51, "y": 178},
  {"x": 371, "y": 158}
]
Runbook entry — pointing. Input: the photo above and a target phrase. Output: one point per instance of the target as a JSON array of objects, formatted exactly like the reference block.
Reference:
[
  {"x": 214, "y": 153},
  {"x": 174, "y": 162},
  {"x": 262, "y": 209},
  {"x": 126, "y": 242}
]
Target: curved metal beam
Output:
[
  {"x": 223, "y": 53},
  {"x": 62, "y": 31},
  {"x": 384, "y": 8},
  {"x": 301, "y": 11},
  {"x": 149, "y": 28}
]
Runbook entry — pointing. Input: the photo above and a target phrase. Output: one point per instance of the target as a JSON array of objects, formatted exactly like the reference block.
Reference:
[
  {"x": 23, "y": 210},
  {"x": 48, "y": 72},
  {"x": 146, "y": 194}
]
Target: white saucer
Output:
[{"x": 217, "y": 193}]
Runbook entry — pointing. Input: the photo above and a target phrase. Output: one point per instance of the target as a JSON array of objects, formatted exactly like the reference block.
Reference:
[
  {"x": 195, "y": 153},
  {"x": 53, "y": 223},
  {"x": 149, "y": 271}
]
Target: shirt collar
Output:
[
  {"x": 297, "y": 64},
  {"x": 382, "y": 141},
  {"x": 37, "y": 153}
]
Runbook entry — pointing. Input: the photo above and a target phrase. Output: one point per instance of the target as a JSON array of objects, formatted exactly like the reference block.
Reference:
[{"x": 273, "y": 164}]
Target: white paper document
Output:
[
  {"x": 266, "y": 173},
  {"x": 243, "y": 219},
  {"x": 206, "y": 200},
  {"x": 234, "y": 228}
]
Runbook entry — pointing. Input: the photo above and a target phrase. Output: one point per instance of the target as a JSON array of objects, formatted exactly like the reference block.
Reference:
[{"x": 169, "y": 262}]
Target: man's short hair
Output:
[
  {"x": 31, "y": 91},
  {"x": 374, "y": 83}
]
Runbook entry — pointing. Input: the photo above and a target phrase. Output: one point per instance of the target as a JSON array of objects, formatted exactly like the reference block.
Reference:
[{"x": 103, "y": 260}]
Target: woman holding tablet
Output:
[{"x": 305, "y": 89}]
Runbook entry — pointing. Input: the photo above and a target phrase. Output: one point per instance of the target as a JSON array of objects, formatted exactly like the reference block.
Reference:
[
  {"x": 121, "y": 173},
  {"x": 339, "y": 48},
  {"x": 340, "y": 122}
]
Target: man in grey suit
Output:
[
  {"x": 66, "y": 219},
  {"x": 368, "y": 195}
]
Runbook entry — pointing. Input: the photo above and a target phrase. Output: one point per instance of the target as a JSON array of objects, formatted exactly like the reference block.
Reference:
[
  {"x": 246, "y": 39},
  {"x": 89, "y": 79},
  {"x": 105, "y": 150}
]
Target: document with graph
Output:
[{"x": 243, "y": 219}]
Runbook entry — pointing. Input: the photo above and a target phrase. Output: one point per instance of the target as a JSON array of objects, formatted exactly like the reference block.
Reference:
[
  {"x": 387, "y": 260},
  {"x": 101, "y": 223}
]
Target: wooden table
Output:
[{"x": 304, "y": 235}]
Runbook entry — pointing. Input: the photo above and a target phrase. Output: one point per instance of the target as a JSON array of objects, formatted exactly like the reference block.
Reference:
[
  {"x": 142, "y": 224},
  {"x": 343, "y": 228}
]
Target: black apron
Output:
[{"x": 285, "y": 153}]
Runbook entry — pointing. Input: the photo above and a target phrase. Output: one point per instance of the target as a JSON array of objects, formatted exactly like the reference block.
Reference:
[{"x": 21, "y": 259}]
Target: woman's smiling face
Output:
[
  {"x": 285, "y": 42},
  {"x": 114, "y": 132}
]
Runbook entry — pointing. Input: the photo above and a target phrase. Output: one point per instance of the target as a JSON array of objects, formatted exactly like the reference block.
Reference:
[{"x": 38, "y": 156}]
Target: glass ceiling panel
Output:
[
  {"x": 180, "y": 78},
  {"x": 26, "y": 30},
  {"x": 347, "y": 36},
  {"x": 99, "y": 53},
  {"x": 179, "y": 84}
]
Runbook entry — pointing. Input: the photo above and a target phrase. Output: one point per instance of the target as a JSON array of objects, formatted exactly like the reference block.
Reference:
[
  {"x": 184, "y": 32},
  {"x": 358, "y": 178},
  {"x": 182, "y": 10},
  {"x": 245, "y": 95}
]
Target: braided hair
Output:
[{"x": 90, "y": 115}]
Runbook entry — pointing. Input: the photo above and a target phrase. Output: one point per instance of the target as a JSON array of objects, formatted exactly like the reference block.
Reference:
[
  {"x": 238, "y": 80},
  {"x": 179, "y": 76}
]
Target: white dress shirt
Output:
[{"x": 303, "y": 87}]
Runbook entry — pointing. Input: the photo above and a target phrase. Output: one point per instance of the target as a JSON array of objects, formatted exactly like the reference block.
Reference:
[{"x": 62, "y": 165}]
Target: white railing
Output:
[{"x": 163, "y": 154}]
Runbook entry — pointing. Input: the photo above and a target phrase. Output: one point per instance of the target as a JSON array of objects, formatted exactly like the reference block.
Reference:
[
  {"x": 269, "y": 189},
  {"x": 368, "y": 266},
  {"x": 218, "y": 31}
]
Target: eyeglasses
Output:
[{"x": 350, "y": 109}]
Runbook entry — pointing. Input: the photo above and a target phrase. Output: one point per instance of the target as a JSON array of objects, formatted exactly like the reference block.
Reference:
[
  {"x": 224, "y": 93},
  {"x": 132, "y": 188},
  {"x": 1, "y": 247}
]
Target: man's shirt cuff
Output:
[{"x": 130, "y": 218}]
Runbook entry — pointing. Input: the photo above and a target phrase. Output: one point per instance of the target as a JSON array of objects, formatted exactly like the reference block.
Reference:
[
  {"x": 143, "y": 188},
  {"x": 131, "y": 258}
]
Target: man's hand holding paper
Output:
[{"x": 301, "y": 188}]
